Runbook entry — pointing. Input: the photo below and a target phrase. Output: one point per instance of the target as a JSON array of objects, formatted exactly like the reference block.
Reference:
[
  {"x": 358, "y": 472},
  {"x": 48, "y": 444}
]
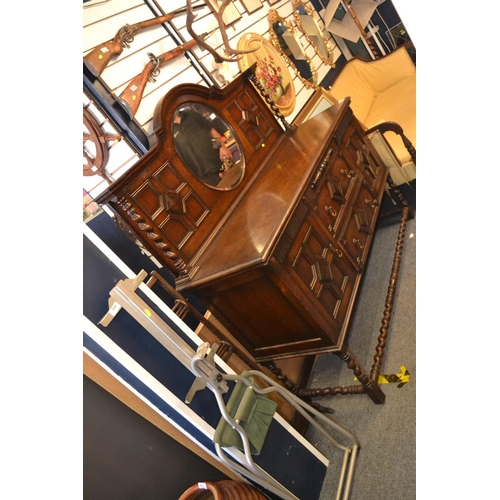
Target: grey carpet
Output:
[{"x": 386, "y": 463}]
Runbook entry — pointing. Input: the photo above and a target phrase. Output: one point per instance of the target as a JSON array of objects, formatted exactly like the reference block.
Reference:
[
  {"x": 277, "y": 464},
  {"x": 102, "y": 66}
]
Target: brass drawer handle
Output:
[
  {"x": 335, "y": 250},
  {"x": 347, "y": 173},
  {"x": 372, "y": 203},
  {"x": 358, "y": 242},
  {"x": 330, "y": 210}
]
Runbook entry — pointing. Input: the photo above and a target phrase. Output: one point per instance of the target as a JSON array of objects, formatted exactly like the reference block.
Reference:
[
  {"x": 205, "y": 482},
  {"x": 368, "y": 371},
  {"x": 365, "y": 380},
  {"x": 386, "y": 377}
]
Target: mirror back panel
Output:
[{"x": 163, "y": 198}]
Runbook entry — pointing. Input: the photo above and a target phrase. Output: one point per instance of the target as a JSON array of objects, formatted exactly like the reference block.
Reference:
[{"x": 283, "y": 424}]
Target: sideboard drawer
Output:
[
  {"x": 360, "y": 225},
  {"x": 360, "y": 155},
  {"x": 333, "y": 194}
]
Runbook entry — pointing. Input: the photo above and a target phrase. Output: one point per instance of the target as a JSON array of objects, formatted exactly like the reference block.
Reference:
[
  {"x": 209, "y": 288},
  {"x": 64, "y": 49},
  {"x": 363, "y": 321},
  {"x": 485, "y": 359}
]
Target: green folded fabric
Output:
[{"x": 254, "y": 413}]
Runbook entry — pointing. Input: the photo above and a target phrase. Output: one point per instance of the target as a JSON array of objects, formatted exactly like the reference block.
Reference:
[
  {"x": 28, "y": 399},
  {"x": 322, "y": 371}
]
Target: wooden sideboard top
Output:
[{"x": 248, "y": 237}]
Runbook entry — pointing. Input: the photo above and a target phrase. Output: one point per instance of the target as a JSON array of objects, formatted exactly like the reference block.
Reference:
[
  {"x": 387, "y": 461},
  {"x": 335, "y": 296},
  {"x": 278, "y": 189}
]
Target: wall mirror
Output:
[
  {"x": 306, "y": 22},
  {"x": 207, "y": 146},
  {"x": 284, "y": 39}
]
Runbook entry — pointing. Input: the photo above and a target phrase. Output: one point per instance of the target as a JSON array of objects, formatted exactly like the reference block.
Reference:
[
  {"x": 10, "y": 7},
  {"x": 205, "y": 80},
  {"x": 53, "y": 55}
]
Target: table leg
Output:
[
  {"x": 369, "y": 382},
  {"x": 367, "y": 386},
  {"x": 389, "y": 300}
]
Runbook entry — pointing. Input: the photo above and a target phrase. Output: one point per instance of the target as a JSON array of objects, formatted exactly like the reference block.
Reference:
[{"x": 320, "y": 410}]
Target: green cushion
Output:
[{"x": 255, "y": 414}]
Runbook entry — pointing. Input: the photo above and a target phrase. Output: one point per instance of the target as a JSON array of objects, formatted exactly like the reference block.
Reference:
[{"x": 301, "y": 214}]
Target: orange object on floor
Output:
[{"x": 222, "y": 490}]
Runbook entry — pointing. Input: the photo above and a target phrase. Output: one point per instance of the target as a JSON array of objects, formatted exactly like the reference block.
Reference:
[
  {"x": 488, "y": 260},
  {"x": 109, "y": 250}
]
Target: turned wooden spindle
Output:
[
  {"x": 289, "y": 128},
  {"x": 281, "y": 376},
  {"x": 400, "y": 196},
  {"x": 352, "y": 364},
  {"x": 389, "y": 301},
  {"x": 225, "y": 350},
  {"x": 178, "y": 263}
]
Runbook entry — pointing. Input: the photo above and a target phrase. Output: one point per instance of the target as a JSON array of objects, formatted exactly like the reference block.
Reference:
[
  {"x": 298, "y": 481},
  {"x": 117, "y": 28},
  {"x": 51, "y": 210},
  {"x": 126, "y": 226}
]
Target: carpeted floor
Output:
[{"x": 386, "y": 463}]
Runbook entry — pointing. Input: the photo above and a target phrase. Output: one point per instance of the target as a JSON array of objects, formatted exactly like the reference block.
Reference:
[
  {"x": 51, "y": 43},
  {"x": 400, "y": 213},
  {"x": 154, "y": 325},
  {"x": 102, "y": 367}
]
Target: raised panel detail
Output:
[
  {"x": 180, "y": 225},
  {"x": 360, "y": 226},
  {"x": 171, "y": 204},
  {"x": 321, "y": 270},
  {"x": 150, "y": 198},
  {"x": 169, "y": 178},
  {"x": 177, "y": 230},
  {"x": 363, "y": 220},
  {"x": 195, "y": 210},
  {"x": 331, "y": 199},
  {"x": 250, "y": 118},
  {"x": 368, "y": 167}
]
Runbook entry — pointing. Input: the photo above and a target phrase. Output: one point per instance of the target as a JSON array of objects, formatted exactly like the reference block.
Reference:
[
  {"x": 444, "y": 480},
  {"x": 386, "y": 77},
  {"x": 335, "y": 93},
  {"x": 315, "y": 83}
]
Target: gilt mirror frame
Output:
[
  {"x": 310, "y": 12},
  {"x": 274, "y": 17}
]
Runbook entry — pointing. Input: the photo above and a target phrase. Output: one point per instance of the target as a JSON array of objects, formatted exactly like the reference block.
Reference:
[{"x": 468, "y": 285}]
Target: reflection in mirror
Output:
[
  {"x": 307, "y": 24},
  {"x": 207, "y": 146},
  {"x": 284, "y": 39}
]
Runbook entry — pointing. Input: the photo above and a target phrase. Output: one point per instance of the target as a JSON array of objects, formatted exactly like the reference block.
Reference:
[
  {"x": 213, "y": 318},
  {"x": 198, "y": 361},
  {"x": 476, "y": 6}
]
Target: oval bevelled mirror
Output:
[{"x": 207, "y": 146}]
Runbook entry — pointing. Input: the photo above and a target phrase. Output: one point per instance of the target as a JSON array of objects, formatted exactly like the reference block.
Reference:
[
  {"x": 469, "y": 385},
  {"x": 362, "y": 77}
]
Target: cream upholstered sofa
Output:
[{"x": 383, "y": 90}]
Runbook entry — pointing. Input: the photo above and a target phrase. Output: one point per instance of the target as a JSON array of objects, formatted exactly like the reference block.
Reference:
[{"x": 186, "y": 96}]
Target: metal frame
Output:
[{"x": 201, "y": 364}]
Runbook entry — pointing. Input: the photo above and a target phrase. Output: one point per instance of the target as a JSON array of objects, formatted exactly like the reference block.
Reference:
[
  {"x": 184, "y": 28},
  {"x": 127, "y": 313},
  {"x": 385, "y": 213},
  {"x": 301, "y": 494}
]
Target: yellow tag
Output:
[
  {"x": 399, "y": 378},
  {"x": 263, "y": 145},
  {"x": 133, "y": 98},
  {"x": 148, "y": 313},
  {"x": 100, "y": 56}
]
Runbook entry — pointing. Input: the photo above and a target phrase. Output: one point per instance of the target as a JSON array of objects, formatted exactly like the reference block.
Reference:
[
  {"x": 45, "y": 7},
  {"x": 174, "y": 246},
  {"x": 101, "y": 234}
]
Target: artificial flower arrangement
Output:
[{"x": 270, "y": 76}]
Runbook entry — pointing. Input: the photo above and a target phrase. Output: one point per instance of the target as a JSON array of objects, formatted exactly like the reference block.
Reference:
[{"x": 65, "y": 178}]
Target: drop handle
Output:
[
  {"x": 335, "y": 250},
  {"x": 347, "y": 173},
  {"x": 372, "y": 203},
  {"x": 358, "y": 243},
  {"x": 330, "y": 210}
]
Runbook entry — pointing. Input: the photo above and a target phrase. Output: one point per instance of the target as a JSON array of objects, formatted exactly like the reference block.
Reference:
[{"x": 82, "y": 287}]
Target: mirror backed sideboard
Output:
[{"x": 278, "y": 255}]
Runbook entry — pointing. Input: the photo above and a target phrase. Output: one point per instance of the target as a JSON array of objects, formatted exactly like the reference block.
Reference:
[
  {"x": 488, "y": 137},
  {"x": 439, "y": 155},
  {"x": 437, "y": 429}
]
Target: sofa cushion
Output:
[
  {"x": 382, "y": 90},
  {"x": 350, "y": 84},
  {"x": 396, "y": 104},
  {"x": 381, "y": 74}
]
